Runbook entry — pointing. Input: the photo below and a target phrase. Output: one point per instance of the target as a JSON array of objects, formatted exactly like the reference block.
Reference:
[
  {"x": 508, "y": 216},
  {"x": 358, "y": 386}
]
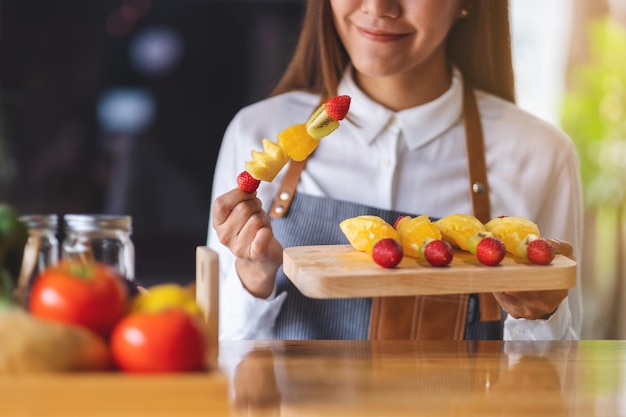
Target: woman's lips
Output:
[{"x": 380, "y": 36}]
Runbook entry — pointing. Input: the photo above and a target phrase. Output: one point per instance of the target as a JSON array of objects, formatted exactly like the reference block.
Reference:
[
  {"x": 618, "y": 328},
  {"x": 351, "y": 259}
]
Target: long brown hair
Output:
[{"x": 479, "y": 45}]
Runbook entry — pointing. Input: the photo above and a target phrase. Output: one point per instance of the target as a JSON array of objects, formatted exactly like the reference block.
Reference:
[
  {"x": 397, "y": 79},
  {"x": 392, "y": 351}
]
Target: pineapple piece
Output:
[
  {"x": 265, "y": 165},
  {"x": 457, "y": 228},
  {"x": 512, "y": 230},
  {"x": 414, "y": 231},
  {"x": 363, "y": 232}
]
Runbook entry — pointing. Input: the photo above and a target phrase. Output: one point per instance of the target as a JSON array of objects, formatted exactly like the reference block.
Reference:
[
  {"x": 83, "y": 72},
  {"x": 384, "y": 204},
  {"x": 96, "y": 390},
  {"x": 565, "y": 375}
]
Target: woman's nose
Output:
[{"x": 381, "y": 8}]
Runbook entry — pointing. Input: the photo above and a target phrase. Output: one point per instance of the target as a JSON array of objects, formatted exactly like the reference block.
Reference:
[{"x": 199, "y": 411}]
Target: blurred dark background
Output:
[{"x": 119, "y": 106}]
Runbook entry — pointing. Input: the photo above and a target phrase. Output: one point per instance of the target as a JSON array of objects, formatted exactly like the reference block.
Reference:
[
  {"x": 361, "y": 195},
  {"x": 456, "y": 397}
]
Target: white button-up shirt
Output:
[{"x": 413, "y": 161}]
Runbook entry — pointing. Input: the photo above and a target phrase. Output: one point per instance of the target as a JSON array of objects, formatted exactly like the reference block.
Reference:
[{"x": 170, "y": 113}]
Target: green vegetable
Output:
[
  {"x": 6, "y": 290},
  {"x": 13, "y": 237}
]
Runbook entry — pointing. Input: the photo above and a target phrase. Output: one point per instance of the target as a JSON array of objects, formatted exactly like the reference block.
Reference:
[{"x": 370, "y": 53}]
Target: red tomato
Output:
[
  {"x": 165, "y": 341},
  {"x": 89, "y": 295}
]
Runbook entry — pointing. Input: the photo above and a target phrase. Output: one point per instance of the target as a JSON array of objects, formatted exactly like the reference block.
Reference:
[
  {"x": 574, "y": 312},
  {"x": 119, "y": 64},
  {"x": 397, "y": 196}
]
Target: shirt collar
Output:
[{"x": 419, "y": 125}]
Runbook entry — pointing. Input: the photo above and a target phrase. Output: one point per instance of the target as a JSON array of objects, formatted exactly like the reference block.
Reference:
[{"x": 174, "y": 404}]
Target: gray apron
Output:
[{"x": 315, "y": 221}]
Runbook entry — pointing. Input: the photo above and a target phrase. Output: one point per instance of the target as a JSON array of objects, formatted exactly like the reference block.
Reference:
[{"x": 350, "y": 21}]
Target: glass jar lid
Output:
[
  {"x": 92, "y": 222},
  {"x": 39, "y": 221}
]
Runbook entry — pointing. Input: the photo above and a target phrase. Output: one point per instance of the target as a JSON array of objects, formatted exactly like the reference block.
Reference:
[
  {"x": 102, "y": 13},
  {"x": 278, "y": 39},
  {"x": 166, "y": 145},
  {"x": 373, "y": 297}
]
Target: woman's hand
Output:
[
  {"x": 531, "y": 305},
  {"x": 243, "y": 227}
]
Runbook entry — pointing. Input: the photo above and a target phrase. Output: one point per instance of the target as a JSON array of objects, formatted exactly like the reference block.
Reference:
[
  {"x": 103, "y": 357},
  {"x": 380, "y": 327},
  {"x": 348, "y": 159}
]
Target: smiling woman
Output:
[
  {"x": 386, "y": 49},
  {"x": 431, "y": 87}
]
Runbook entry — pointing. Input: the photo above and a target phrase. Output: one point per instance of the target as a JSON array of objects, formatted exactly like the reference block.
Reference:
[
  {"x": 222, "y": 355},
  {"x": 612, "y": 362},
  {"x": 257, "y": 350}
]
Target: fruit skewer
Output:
[
  {"x": 418, "y": 237},
  {"x": 296, "y": 142}
]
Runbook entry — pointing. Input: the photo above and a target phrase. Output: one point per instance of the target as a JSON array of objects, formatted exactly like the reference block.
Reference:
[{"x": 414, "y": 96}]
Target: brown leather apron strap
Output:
[
  {"x": 287, "y": 189},
  {"x": 477, "y": 167},
  {"x": 479, "y": 186}
]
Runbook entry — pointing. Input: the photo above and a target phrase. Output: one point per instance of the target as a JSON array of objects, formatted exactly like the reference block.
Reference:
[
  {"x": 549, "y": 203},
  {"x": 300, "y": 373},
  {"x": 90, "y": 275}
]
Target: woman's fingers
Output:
[
  {"x": 531, "y": 305},
  {"x": 226, "y": 204}
]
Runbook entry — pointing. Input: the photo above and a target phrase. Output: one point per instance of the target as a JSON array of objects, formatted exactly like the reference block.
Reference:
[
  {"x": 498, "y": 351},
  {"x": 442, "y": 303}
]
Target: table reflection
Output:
[{"x": 401, "y": 378}]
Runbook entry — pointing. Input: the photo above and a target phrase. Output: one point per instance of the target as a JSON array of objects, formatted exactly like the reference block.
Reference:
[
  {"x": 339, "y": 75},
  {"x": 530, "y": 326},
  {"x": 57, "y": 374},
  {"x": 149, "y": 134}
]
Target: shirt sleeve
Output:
[
  {"x": 243, "y": 316},
  {"x": 561, "y": 218},
  {"x": 549, "y": 191}
]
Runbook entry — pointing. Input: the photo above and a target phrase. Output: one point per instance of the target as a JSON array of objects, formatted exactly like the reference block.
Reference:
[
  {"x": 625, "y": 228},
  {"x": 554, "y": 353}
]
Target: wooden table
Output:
[{"x": 351, "y": 378}]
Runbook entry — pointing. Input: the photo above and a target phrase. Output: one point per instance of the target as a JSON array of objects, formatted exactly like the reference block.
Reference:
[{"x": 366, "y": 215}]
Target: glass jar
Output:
[
  {"x": 100, "y": 237},
  {"x": 40, "y": 252}
]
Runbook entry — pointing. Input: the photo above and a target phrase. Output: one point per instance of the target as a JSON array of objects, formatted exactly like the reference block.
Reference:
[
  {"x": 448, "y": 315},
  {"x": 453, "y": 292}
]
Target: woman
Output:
[{"x": 405, "y": 64}]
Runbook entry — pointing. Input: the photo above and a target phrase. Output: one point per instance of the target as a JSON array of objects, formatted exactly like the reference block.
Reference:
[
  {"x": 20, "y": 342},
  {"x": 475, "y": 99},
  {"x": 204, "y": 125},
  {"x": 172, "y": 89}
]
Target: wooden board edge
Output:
[{"x": 311, "y": 286}]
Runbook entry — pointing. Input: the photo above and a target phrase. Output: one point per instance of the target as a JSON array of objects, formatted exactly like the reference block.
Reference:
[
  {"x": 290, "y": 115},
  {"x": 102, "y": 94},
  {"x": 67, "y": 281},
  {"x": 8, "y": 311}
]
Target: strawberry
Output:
[
  {"x": 437, "y": 252},
  {"x": 337, "y": 107},
  {"x": 387, "y": 252},
  {"x": 540, "y": 251},
  {"x": 490, "y": 251},
  {"x": 472, "y": 241},
  {"x": 247, "y": 183}
]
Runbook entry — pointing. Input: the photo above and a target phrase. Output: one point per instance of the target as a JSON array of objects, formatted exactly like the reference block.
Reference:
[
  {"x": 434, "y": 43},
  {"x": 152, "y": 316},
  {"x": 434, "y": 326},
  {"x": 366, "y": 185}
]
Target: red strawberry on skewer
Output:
[
  {"x": 337, "y": 107},
  {"x": 247, "y": 183},
  {"x": 387, "y": 252},
  {"x": 437, "y": 252}
]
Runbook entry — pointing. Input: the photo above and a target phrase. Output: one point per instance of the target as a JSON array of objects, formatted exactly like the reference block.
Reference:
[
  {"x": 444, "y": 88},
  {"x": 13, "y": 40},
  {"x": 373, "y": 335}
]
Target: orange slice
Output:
[{"x": 297, "y": 142}]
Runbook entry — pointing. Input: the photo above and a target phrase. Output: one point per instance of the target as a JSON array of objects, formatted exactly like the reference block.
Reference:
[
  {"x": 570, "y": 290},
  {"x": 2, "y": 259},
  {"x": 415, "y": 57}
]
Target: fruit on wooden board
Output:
[
  {"x": 536, "y": 250},
  {"x": 364, "y": 231},
  {"x": 437, "y": 252},
  {"x": 511, "y": 230},
  {"x": 414, "y": 231},
  {"x": 490, "y": 251},
  {"x": 462, "y": 231},
  {"x": 387, "y": 252},
  {"x": 457, "y": 228}
]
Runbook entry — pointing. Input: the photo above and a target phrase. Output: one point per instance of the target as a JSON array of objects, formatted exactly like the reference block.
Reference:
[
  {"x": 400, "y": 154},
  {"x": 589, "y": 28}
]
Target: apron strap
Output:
[
  {"x": 287, "y": 189},
  {"x": 434, "y": 317},
  {"x": 479, "y": 186}
]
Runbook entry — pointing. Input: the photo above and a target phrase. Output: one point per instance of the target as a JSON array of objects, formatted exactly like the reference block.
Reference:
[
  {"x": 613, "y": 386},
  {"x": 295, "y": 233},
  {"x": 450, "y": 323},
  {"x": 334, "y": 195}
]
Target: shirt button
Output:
[
  {"x": 386, "y": 163},
  {"x": 517, "y": 330}
]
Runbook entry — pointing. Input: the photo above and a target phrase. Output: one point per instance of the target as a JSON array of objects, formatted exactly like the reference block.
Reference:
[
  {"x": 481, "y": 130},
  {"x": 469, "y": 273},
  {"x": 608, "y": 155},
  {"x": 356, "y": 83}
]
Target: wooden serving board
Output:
[{"x": 339, "y": 271}]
